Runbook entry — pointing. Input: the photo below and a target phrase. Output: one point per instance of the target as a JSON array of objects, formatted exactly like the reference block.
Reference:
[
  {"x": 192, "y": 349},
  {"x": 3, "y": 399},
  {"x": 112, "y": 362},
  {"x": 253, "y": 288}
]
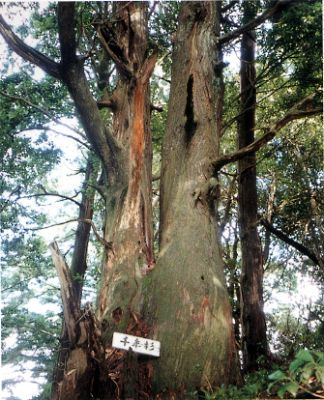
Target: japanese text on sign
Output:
[{"x": 136, "y": 343}]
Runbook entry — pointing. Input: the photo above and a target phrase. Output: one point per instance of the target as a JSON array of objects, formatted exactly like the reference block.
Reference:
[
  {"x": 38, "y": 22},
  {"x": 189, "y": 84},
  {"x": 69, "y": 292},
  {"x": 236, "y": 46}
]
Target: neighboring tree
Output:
[
  {"x": 249, "y": 219},
  {"x": 254, "y": 337}
]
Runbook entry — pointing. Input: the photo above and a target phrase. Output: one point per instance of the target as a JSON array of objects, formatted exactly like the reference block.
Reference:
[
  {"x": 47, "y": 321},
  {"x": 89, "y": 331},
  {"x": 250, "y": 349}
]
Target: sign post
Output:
[{"x": 138, "y": 344}]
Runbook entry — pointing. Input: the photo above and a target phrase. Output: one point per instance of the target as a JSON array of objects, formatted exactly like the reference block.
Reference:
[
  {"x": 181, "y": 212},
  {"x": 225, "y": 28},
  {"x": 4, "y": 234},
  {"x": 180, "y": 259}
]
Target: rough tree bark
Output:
[
  {"x": 254, "y": 339},
  {"x": 188, "y": 305},
  {"x": 128, "y": 190},
  {"x": 128, "y": 195}
]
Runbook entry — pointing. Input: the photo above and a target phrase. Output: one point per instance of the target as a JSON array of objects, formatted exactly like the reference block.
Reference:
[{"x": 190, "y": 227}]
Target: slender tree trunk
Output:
[
  {"x": 188, "y": 305},
  {"x": 254, "y": 340},
  {"x": 80, "y": 251},
  {"x": 76, "y": 272}
]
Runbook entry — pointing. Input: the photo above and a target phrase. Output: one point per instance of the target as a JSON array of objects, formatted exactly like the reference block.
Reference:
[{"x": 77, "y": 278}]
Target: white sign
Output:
[{"x": 136, "y": 343}]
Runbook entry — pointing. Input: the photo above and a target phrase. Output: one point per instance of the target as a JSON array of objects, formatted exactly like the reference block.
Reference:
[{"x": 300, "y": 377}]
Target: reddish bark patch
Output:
[
  {"x": 137, "y": 145},
  {"x": 203, "y": 306}
]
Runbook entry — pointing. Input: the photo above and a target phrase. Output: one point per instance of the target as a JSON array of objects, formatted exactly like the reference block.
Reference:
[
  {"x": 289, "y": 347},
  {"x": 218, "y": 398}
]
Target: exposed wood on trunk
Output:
[
  {"x": 128, "y": 220},
  {"x": 254, "y": 339},
  {"x": 80, "y": 349},
  {"x": 69, "y": 297}
]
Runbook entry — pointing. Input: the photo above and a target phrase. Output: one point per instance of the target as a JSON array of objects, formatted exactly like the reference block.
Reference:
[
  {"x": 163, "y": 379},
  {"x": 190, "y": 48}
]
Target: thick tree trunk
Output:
[
  {"x": 128, "y": 194},
  {"x": 188, "y": 305},
  {"x": 128, "y": 224},
  {"x": 254, "y": 340}
]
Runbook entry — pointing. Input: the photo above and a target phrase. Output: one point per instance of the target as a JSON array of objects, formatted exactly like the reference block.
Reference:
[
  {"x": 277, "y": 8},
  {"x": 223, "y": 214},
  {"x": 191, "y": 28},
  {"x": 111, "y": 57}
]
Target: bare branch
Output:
[
  {"x": 102, "y": 240},
  {"x": 162, "y": 78},
  {"x": 46, "y": 193},
  {"x": 298, "y": 246},
  {"x": 255, "y": 22},
  {"x": 86, "y": 145},
  {"x": 148, "y": 68},
  {"x": 27, "y": 52},
  {"x": 17, "y": 284},
  {"x": 152, "y": 9},
  {"x": 296, "y": 112}
]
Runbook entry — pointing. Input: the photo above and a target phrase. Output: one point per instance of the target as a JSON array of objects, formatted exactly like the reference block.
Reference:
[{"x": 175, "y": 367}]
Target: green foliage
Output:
[
  {"x": 294, "y": 157},
  {"x": 304, "y": 375},
  {"x": 163, "y": 25},
  {"x": 291, "y": 333},
  {"x": 295, "y": 40},
  {"x": 255, "y": 385}
]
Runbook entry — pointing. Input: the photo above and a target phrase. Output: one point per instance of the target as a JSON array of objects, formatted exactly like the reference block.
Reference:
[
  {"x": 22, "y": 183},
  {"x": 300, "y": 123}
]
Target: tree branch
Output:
[
  {"x": 43, "y": 111},
  {"x": 294, "y": 113},
  {"x": 66, "y": 24},
  {"x": 156, "y": 107},
  {"x": 102, "y": 240},
  {"x": 162, "y": 78},
  {"x": 291, "y": 242},
  {"x": 148, "y": 68},
  {"x": 255, "y": 22},
  {"x": 73, "y": 75},
  {"x": 120, "y": 65},
  {"x": 27, "y": 52},
  {"x": 86, "y": 145},
  {"x": 45, "y": 193},
  {"x": 109, "y": 103},
  {"x": 71, "y": 72}
]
